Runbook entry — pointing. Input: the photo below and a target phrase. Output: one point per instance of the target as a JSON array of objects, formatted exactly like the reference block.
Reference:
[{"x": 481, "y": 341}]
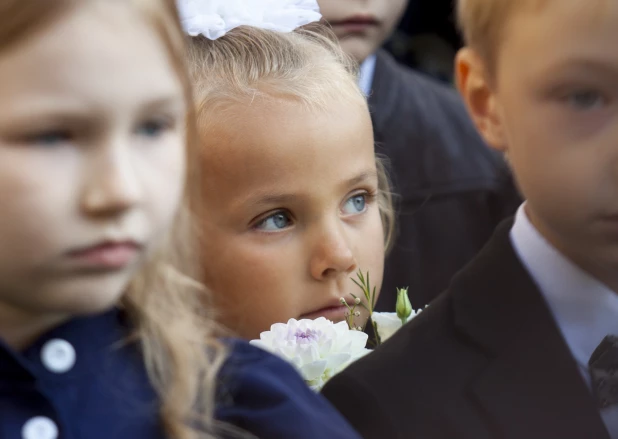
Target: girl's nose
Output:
[
  {"x": 332, "y": 255},
  {"x": 112, "y": 185}
]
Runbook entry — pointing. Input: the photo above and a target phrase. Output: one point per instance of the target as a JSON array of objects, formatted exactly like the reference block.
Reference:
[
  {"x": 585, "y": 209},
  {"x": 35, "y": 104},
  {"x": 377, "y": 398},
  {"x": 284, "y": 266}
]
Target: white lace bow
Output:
[{"x": 214, "y": 18}]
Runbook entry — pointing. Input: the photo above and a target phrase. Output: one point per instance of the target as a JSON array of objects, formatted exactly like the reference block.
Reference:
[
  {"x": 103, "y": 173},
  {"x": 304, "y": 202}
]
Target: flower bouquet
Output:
[{"x": 320, "y": 348}]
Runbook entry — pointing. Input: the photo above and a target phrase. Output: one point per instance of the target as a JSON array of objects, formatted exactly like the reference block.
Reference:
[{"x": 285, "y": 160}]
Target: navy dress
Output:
[{"x": 80, "y": 381}]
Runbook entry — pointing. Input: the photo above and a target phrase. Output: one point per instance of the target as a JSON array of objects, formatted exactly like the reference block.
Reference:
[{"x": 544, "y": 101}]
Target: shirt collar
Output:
[
  {"x": 585, "y": 310},
  {"x": 367, "y": 71}
]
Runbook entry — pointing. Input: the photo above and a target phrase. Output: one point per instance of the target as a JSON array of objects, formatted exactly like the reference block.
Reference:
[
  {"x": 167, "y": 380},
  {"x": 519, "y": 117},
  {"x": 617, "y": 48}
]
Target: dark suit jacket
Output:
[
  {"x": 485, "y": 360},
  {"x": 453, "y": 189}
]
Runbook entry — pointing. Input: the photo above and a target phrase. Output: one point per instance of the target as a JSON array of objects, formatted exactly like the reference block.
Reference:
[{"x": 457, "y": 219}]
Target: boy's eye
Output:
[
  {"x": 355, "y": 205},
  {"x": 153, "y": 128},
  {"x": 585, "y": 99},
  {"x": 275, "y": 222}
]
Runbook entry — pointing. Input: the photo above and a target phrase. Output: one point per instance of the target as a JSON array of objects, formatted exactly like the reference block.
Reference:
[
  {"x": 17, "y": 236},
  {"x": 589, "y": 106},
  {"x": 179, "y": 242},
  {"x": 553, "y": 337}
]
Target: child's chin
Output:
[
  {"x": 88, "y": 302},
  {"x": 96, "y": 306}
]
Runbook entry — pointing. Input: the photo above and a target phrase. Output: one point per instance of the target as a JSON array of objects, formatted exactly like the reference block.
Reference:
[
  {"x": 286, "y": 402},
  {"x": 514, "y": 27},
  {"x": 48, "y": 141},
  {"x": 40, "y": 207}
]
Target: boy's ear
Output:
[{"x": 475, "y": 88}]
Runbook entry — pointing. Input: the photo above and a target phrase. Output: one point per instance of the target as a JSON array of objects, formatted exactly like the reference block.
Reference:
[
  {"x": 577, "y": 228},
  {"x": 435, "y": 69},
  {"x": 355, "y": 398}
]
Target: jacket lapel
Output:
[
  {"x": 532, "y": 387},
  {"x": 384, "y": 92}
]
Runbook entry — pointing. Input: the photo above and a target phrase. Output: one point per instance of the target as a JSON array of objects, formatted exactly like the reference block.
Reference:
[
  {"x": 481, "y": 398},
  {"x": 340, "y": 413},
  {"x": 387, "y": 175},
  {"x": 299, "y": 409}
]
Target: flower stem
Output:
[{"x": 363, "y": 282}]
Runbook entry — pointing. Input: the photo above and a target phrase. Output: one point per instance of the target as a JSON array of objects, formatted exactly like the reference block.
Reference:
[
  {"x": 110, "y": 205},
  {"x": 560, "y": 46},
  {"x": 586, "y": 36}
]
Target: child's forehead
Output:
[
  {"x": 271, "y": 141},
  {"x": 560, "y": 45},
  {"x": 558, "y": 21},
  {"x": 274, "y": 114},
  {"x": 281, "y": 126},
  {"x": 559, "y": 12}
]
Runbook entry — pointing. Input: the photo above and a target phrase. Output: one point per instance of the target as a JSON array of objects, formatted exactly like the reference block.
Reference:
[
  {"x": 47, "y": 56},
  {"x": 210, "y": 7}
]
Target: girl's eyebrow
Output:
[
  {"x": 268, "y": 199},
  {"x": 82, "y": 110},
  {"x": 174, "y": 102},
  {"x": 363, "y": 177}
]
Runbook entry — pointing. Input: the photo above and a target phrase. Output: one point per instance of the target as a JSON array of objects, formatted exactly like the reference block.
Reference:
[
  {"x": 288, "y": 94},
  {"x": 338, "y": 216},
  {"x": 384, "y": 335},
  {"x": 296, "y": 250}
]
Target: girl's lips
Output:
[
  {"x": 333, "y": 313},
  {"x": 107, "y": 255}
]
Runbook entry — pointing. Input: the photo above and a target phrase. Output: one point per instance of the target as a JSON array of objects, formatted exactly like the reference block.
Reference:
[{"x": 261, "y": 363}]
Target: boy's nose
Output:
[
  {"x": 112, "y": 185},
  {"x": 332, "y": 255}
]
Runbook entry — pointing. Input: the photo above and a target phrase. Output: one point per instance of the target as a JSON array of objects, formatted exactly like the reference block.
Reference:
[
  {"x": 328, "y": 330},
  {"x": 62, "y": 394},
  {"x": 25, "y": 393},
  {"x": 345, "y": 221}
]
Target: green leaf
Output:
[
  {"x": 359, "y": 285},
  {"x": 373, "y": 298}
]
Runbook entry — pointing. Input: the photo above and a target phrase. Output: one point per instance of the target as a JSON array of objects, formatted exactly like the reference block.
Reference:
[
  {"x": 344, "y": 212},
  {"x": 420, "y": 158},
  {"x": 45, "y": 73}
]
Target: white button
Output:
[
  {"x": 58, "y": 355},
  {"x": 39, "y": 428}
]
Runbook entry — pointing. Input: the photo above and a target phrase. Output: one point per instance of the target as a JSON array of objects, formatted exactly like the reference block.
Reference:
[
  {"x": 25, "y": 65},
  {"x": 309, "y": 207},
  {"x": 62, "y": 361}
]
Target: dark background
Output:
[{"x": 427, "y": 38}]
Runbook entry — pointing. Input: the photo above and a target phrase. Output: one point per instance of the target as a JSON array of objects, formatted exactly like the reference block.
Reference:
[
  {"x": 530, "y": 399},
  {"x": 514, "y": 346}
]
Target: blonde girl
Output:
[
  {"x": 101, "y": 334},
  {"x": 296, "y": 200}
]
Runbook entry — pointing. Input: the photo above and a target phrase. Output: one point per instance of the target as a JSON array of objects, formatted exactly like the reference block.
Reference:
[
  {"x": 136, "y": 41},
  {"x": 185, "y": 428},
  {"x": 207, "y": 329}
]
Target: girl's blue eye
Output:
[
  {"x": 51, "y": 138},
  {"x": 275, "y": 222},
  {"x": 152, "y": 128},
  {"x": 585, "y": 99},
  {"x": 355, "y": 205}
]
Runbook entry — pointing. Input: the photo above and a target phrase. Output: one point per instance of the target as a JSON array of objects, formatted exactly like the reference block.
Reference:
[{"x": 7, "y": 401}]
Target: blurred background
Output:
[{"x": 427, "y": 38}]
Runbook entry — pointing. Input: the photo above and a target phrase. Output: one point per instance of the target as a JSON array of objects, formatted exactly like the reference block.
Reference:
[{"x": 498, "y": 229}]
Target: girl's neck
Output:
[{"x": 20, "y": 328}]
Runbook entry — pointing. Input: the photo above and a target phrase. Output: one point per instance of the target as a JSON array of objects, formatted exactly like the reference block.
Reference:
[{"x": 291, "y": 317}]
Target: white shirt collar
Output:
[
  {"x": 367, "y": 71},
  {"x": 584, "y": 309}
]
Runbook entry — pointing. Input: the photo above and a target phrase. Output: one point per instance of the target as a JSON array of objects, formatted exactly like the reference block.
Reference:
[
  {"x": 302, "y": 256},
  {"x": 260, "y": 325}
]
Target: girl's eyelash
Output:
[
  {"x": 50, "y": 137},
  {"x": 370, "y": 195},
  {"x": 260, "y": 219},
  {"x": 156, "y": 125},
  {"x": 369, "y": 198}
]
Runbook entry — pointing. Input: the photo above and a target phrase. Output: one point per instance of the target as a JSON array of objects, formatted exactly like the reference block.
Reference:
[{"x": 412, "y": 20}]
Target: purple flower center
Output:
[{"x": 306, "y": 336}]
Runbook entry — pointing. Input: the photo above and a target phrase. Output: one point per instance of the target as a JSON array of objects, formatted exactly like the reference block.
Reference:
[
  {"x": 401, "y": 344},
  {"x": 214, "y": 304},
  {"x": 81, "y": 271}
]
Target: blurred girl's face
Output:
[{"x": 92, "y": 162}]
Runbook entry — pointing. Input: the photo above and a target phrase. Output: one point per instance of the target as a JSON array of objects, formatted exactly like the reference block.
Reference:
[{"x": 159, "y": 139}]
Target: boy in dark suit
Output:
[
  {"x": 453, "y": 190},
  {"x": 523, "y": 343}
]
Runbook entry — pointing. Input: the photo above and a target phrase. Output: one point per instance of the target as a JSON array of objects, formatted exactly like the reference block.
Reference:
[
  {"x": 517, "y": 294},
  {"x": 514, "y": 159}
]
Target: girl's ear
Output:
[{"x": 475, "y": 87}]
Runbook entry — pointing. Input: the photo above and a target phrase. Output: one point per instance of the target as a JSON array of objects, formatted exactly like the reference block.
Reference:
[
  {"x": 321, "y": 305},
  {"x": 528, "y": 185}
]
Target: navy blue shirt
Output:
[{"x": 81, "y": 381}]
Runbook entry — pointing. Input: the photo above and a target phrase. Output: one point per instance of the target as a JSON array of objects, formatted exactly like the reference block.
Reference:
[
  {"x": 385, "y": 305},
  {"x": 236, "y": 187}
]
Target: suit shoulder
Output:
[
  {"x": 416, "y": 116},
  {"x": 419, "y": 84},
  {"x": 402, "y": 382},
  {"x": 429, "y": 102},
  {"x": 431, "y": 330}
]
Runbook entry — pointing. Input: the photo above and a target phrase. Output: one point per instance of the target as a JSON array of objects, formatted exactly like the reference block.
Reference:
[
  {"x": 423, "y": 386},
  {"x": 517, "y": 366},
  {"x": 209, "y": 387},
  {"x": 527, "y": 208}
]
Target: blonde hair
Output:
[
  {"x": 166, "y": 307},
  {"x": 482, "y": 23},
  {"x": 307, "y": 65}
]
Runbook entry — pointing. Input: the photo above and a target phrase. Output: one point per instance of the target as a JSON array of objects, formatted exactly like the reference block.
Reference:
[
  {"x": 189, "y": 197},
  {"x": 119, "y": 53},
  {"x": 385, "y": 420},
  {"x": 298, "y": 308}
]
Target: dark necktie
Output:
[{"x": 603, "y": 367}]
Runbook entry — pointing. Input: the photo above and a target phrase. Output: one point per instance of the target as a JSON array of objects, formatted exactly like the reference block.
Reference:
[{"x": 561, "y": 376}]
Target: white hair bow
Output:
[{"x": 214, "y": 18}]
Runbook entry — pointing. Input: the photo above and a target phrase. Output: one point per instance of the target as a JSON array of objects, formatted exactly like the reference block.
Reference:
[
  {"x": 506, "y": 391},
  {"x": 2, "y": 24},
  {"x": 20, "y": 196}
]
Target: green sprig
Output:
[{"x": 364, "y": 283}]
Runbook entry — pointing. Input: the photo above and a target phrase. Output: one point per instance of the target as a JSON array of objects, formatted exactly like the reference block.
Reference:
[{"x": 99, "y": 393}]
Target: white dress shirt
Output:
[
  {"x": 367, "y": 71},
  {"x": 585, "y": 310}
]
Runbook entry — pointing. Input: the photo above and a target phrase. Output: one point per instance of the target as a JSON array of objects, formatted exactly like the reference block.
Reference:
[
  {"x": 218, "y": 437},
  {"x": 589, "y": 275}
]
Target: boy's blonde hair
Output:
[
  {"x": 171, "y": 325},
  {"x": 483, "y": 21},
  {"x": 306, "y": 65}
]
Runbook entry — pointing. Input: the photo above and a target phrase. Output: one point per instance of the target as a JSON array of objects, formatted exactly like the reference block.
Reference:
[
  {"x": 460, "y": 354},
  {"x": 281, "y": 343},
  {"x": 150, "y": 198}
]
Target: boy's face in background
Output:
[
  {"x": 362, "y": 25},
  {"x": 553, "y": 107}
]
